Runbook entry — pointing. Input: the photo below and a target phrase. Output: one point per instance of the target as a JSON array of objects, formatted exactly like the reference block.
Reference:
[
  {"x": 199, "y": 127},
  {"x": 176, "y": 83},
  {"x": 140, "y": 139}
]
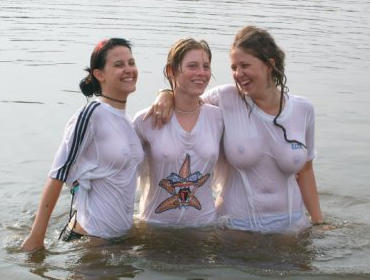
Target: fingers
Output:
[
  {"x": 324, "y": 227},
  {"x": 157, "y": 120},
  {"x": 30, "y": 245},
  {"x": 165, "y": 109},
  {"x": 160, "y": 118},
  {"x": 166, "y": 115},
  {"x": 149, "y": 113},
  {"x": 159, "y": 115},
  {"x": 162, "y": 109},
  {"x": 155, "y": 115}
]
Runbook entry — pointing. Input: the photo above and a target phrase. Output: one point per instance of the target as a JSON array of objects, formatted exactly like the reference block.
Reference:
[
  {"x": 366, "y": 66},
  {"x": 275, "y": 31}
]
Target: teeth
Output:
[
  {"x": 128, "y": 79},
  {"x": 244, "y": 83},
  {"x": 198, "y": 82}
]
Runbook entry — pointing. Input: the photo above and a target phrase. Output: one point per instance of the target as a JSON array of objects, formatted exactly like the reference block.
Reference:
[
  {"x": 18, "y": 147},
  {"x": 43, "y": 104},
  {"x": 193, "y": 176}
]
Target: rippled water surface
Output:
[{"x": 46, "y": 44}]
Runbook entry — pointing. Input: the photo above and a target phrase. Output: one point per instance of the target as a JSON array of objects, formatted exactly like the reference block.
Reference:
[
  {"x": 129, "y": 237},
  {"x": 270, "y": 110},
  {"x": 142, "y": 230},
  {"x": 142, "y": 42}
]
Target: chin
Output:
[
  {"x": 199, "y": 92},
  {"x": 245, "y": 90},
  {"x": 131, "y": 89}
]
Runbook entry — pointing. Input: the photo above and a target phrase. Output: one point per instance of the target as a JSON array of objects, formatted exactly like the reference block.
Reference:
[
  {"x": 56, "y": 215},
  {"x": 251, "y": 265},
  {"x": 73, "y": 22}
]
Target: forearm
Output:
[
  {"x": 307, "y": 184},
  {"x": 48, "y": 200}
]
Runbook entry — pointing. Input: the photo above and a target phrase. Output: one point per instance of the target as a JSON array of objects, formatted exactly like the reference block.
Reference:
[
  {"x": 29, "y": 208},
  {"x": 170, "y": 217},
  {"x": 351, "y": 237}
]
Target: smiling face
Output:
[
  {"x": 193, "y": 74},
  {"x": 250, "y": 73},
  {"x": 119, "y": 75}
]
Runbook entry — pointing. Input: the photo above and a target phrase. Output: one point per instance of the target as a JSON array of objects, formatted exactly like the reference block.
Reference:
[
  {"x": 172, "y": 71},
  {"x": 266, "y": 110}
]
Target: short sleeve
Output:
[
  {"x": 77, "y": 136},
  {"x": 138, "y": 125},
  {"x": 212, "y": 96},
  {"x": 310, "y": 134}
]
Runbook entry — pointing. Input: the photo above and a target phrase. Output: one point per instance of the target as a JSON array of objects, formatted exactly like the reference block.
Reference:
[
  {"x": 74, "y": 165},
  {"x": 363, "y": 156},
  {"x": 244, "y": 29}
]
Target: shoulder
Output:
[
  {"x": 213, "y": 113},
  {"x": 81, "y": 121},
  {"x": 138, "y": 118},
  {"x": 224, "y": 89},
  {"x": 217, "y": 95},
  {"x": 297, "y": 99},
  {"x": 142, "y": 126},
  {"x": 301, "y": 102},
  {"x": 210, "y": 109},
  {"x": 92, "y": 108},
  {"x": 83, "y": 114}
]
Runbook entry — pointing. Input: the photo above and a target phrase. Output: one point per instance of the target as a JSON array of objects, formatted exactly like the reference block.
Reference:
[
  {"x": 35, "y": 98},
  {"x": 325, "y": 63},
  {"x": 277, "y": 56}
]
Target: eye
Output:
[
  {"x": 132, "y": 62},
  {"x": 192, "y": 65},
  {"x": 118, "y": 64},
  {"x": 233, "y": 67}
]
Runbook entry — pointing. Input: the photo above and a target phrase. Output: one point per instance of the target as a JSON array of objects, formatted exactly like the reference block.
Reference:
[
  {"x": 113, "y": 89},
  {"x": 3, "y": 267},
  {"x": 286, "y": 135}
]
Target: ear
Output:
[
  {"x": 271, "y": 63},
  {"x": 99, "y": 75}
]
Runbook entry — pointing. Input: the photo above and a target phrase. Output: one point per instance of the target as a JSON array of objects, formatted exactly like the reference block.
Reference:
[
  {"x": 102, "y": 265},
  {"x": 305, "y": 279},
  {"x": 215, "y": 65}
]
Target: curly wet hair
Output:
[{"x": 259, "y": 43}]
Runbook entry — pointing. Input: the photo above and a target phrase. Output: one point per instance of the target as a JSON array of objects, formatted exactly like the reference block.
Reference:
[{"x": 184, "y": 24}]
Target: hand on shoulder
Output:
[{"x": 162, "y": 109}]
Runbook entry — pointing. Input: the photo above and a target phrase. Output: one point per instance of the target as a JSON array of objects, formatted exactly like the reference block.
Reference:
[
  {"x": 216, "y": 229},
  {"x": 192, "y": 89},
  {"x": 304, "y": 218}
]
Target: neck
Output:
[
  {"x": 187, "y": 110},
  {"x": 268, "y": 101},
  {"x": 119, "y": 103},
  {"x": 187, "y": 104}
]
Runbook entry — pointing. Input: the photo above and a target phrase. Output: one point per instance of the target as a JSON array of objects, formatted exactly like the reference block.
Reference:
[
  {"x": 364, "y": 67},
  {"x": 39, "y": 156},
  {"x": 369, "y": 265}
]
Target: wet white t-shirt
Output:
[
  {"x": 261, "y": 192},
  {"x": 176, "y": 182},
  {"x": 101, "y": 151}
]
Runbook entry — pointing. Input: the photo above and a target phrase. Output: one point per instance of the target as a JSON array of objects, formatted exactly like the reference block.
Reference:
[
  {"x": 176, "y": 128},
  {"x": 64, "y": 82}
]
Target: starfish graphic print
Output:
[{"x": 182, "y": 187}]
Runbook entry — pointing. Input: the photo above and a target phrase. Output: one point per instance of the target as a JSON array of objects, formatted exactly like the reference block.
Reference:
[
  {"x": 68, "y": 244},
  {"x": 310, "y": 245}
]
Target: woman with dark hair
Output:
[
  {"x": 268, "y": 140},
  {"x": 99, "y": 155},
  {"x": 177, "y": 189}
]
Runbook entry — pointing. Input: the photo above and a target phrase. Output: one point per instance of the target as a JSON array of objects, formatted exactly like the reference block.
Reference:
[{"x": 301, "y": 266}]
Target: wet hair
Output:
[
  {"x": 90, "y": 85},
  {"x": 259, "y": 43},
  {"x": 177, "y": 53}
]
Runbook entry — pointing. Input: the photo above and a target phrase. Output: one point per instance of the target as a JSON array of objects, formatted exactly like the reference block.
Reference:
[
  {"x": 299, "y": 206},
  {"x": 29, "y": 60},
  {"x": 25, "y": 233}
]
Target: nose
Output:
[
  {"x": 204, "y": 71},
  {"x": 129, "y": 68},
  {"x": 237, "y": 72}
]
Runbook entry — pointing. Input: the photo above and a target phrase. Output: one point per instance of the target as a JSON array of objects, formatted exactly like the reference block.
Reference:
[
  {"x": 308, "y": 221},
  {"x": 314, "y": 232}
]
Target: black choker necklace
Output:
[{"x": 113, "y": 99}]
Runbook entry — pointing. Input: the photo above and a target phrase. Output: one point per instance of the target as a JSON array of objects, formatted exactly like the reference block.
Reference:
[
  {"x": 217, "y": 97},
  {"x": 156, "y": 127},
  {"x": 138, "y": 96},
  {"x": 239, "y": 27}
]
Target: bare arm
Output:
[
  {"x": 307, "y": 184},
  {"x": 162, "y": 108},
  {"x": 50, "y": 195}
]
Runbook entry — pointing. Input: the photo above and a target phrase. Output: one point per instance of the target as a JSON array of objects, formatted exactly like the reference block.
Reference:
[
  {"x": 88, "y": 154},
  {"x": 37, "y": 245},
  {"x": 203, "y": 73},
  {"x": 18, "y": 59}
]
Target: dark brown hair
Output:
[
  {"x": 259, "y": 43},
  {"x": 90, "y": 85}
]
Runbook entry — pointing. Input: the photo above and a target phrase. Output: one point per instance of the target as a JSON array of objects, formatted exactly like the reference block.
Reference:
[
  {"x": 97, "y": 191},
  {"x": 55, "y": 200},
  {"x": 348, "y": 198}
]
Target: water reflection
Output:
[
  {"x": 170, "y": 249},
  {"x": 101, "y": 263},
  {"x": 222, "y": 247},
  {"x": 20, "y": 101}
]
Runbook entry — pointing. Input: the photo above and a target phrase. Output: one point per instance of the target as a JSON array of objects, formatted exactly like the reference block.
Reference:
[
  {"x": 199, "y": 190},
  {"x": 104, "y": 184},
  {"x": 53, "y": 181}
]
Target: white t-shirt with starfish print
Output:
[{"x": 176, "y": 178}]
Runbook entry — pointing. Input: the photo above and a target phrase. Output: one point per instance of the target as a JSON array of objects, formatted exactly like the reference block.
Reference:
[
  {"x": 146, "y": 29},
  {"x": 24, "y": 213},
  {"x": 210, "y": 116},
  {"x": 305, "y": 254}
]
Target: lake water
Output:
[{"x": 46, "y": 44}]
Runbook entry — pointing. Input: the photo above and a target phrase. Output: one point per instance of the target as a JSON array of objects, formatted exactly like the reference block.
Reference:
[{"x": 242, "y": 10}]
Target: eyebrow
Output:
[
  {"x": 194, "y": 61},
  {"x": 120, "y": 60}
]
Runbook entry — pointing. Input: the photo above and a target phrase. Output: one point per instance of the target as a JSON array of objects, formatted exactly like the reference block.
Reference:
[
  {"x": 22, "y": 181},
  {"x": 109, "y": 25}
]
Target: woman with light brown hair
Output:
[
  {"x": 176, "y": 187},
  {"x": 268, "y": 140}
]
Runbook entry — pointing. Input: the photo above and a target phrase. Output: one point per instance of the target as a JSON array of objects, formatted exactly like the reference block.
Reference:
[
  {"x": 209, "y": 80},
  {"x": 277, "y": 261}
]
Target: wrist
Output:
[
  {"x": 319, "y": 222},
  {"x": 165, "y": 91}
]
